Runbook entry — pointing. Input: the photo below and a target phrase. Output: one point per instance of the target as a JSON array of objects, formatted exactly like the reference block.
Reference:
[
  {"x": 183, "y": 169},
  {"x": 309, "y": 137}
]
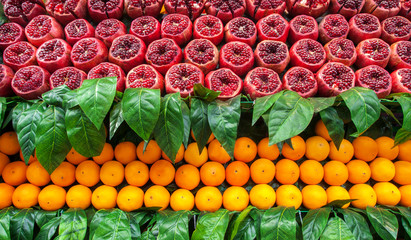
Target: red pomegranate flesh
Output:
[
  {"x": 147, "y": 28},
  {"x": 396, "y": 29},
  {"x": 20, "y": 54},
  {"x": 382, "y": 8},
  {"x": 314, "y": 8},
  {"x": 375, "y": 78},
  {"x": 238, "y": 57},
  {"x": 43, "y": 28},
  {"x": 401, "y": 80},
  {"x": 177, "y": 27},
  {"x": 300, "y": 80},
  {"x": 138, "y": 8},
  {"x": 334, "y": 78},
  {"x": 400, "y": 55},
  {"x": 162, "y": 54},
  {"x": 347, "y": 8},
  {"x": 405, "y": 9},
  {"x": 87, "y": 53},
  {"x": 54, "y": 54},
  {"x": 70, "y": 76},
  {"x": 145, "y": 76},
  {"x": 273, "y": 27},
  {"x": 272, "y": 54},
  {"x": 201, "y": 53},
  {"x": 341, "y": 50},
  {"x": 103, "y": 9},
  {"x": 66, "y": 11},
  {"x": 364, "y": 26},
  {"x": 307, "y": 53},
  {"x": 30, "y": 82},
  {"x": 78, "y": 29},
  {"x": 261, "y": 82},
  {"x": 182, "y": 77},
  {"x": 6, "y": 75},
  {"x": 241, "y": 29},
  {"x": 225, "y": 81},
  {"x": 10, "y": 33},
  {"x": 191, "y": 8},
  {"x": 258, "y": 9},
  {"x": 106, "y": 69},
  {"x": 210, "y": 28},
  {"x": 23, "y": 11},
  {"x": 109, "y": 29},
  {"x": 127, "y": 51},
  {"x": 225, "y": 9},
  {"x": 301, "y": 27},
  {"x": 333, "y": 26},
  {"x": 373, "y": 51}
]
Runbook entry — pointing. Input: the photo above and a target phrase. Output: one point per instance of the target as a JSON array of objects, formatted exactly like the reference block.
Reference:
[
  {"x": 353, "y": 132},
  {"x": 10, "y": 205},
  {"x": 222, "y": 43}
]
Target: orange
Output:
[
  {"x": 402, "y": 172},
  {"x": 88, "y": 173},
  {"x": 130, "y": 198},
  {"x": 78, "y": 196},
  {"x": 311, "y": 172},
  {"x": 74, "y": 157},
  {"x": 365, "y": 194},
  {"x": 208, "y": 199},
  {"x": 344, "y": 154},
  {"x": 337, "y": 193},
  {"x": 64, "y": 175},
  {"x": 387, "y": 193},
  {"x": 217, "y": 153},
  {"x": 365, "y": 148},
  {"x": 6, "y": 193},
  {"x": 262, "y": 196},
  {"x": 37, "y": 175},
  {"x": 237, "y": 173},
  {"x": 14, "y": 173},
  {"x": 9, "y": 144},
  {"x": 112, "y": 173},
  {"x": 382, "y": 170},
  {"x": 386, "y": 148},
  {"x": 179, "y": 156},
  {"x": 358, "y": 171},
  {"x": 317, "y": 148},
  {"x": 321, "y": 130},
  {"x": 235, "y": 198},
  {"x": 104, "y": 197},
  {"x": 404, "y": 153},
  {"x": 157, "y": 196},
  {"x": 297, "y": 151},
  {"x": 107, "y": 154},
  {"x": 162, "y": 173},
  {"x": 182, "y": 199},
  {"x": 137, "y": 173},
  {"x": 314, "y": 196},
  {"x": 152, "y": 153},
  {"x": 245, "y": 149},
  {"x": 289, "y": 196},
  {"x": 193, "y": 156},
  {"x": 31, "y": 159},
  {"x": 212, "y": 173},
  {"x": 265, "y": 151},
  {"x": 405, "y": 195},
  {"x": 211, "y": 138},
  {"x": 262, "y": 171},
  {"x": 25, "y": 196},
  {"x": 335, "y": 173},
  {"x": 125, "y": 152},
  {"x": 4, "y": 160},
  {"x": 187, "y": 177},
  {"x": 286, "y": 171},
  {"x": 52, "y": 198}
]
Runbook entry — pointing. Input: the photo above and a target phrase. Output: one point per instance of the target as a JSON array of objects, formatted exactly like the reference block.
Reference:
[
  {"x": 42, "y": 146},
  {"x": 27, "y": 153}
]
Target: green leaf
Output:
[
  {"x": 116, "y": 119},
  {"x": 22, "y": 224},
  {"x": 3, "y": 108},
  {"x": 98, "y": 218},
  {"x": 278, "y": 223},
  {"x": 337, "y": 229},
  {"x": 384, "y": 222},
  {"x": 73, "y": 224},
  {"x": 95, "y": 97},
  {"x": 389, "y": 112},
  {"x": 357, "y": 224},
  {"x": 289, "y": 116},
  {"x": 17, "y": 110},
  {"x": 263, "y": 104},
  {"x": 257, "y": 216},
  {"x": 205, "y": 93},
  {"x": 114, "y": 226},
  {"x": 56, "y": 95},
  {"x": 136, "y": 220},
  {"x": 199, "y": 122},
  {"x": 242, "y": 227},
  {"x": 315, "y": 222},
  {"x": 406, "y": 219},
  {"x": 70, "y": 99},
  {"x": 48, "y": 230},
  {"x": 42, "y": 217},
  {"x": 334, "y": 125},
  {"x": 141, "y": 109},
  {"x": 212, "y": 226},
  {"x": 407, "y": 227},
  {"x": 321, "y": 103},
  {"x": 5, "y": 223},
  {"x": 174, "y": 225},
  {"x": 405, "y": 103},
  {"x": 402, "y": 136},
  {"x": 224, "y": 117},
  {"x": 187, "y": 122}
]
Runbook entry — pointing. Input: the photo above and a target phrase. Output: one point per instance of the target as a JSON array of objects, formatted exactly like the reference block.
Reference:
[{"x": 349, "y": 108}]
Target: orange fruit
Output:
[
  {"x": 245, "y": 149},
  {"x": 386, "y": 148},
  {"x": 152, "y": 153},
  {"x": 382, "y": 170},
  {"x": 25, "y": 196},
  {"x": 9, "y": 144},
  {"x": 337, "y": 193},
  {"x": 321, "y": 130},
  {"x": 262, "y": 171},
  {"x": 237, "y": 173},
  {"x": 217, "y": 153},
  {"x": 344, "y": 154},
  {"x": 182, "y": 199},
  {"x": 262, "y": 196},
  {"x": 179, "y": 156},
  {"x": 405, "y": 195},
  {"x": 64, "y": 175},
  {"x": 104, "y": 197},
  {"x": 52, "y": 198},
  {"x": 130, "y": 198},
  {"x": 208, "y": 199},
  {"x": 88, "y": 173},
  {"x": 14, "y": 173},
  {"x": 265, "y": 151},
  {"x": 365, "y": 194},
  {"x": 211, "y": 138},
  {"x": 289, "y": 196},
  {"x": 212, "y": 173},
  {"x": 387, "y": 193},
  {"x": 162, "y": 173},
  {"x": 78, "y": 196},
  {"x": 404, "y": 153},
  {"x": 286, "y": 171},
  {"x": 31, "y": 159},
  {"x": 235, "y": 198},
  {"x": 311, "y": 172},
  {"x": 37, "y": 175},
  {"x": 297, "y": 151},
  {"x": 314, "y": 196},
  {"x": 4, "y": 160},
  {"x": 317, "y": 148},
  {"x": 125, "y": 152},
  {"x": 335, "y": 173},
  {"x": 74, "y": 157},
  {"x": 6, "y": 193},
  {"x": 157, "y": 196},
  {"x": 365, "y": 148},
  {"x": 193, "y": 156},
  {"x": 402, "y": 172},
  {"x": 358, "y": 171},
  {"x": 107, "y": 154},
  {"x": 112, "y": 173},
  {"x": 187, "y": 177},
  {"x": 137, "y": 173}
]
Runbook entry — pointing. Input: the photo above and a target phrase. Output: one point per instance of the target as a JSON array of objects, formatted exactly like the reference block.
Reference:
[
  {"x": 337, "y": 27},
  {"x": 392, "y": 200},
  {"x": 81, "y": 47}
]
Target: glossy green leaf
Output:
[
  {"x": 257, "y": 216},
  {"x": 334, "y": 125},
  {"x": 56, "y": 95},
  {"x": 98, "y": 218},
  {"x": 174, "y": 225},
  {"x": 199, "y": 122},
  {"x": 336, "y": 229},
  {"x": 136, "y": 220},
  {"x": 187, "y": 122},
  {"x": 405, "y": 103},
  {"x": 22, "y": 224},
  {"x": 321, "y": 103},
  {"x": 5, "y": 223},
  {"x": 389, "y": 112},
  {"x": 42, "y": 217},
  {"x": 263, "y": 104},
  {"x": 3, "y": 108},
  {"x": 73, "y": 224},
  {"x": 357, "y": 224},
  {"x": 116, "y": 119},
  {"x": 212, "y": 226},
  {"x": 70, "y": 99},
  {"x": 278, "y": 223},
  {"x": 205, "y": 93},
  {"x": 48, "y": 230},
  {"x": 3, "y": 18},
  {"x": 402, "y": 136},
  {"x": 242, "y": 227},
  {"x": 384, "y": 222},
  {"x": 315, "y": 222},
  {"x": 114, "y": 226},
  {"x": 17, "y": 110},
  {"x": 406, "y": 219}
]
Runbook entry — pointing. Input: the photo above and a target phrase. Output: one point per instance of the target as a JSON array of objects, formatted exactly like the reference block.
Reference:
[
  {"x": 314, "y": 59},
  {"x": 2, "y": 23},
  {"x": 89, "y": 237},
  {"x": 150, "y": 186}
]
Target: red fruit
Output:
[
  {"x": 210, "y": 28},
  {"x": 177, "y": 27},
  {"x": 333, "y": 26},
  {"x": 375, "y": 78},
  {"x": 258, "y": 9},
  {"x": 225, "y": 81},
  {"x": 401, "y": 80},
  {"x": 241, "y": 29},
  {"x": 307, "y": 53},
  {"x": 127, "y": 51},
  {"x": 261, "y": 82},
  {"x": 43, "y": 28},
  {"x": 301, "y": 27},
  {"x": 341, "y": 50},
  {"x": 23, "y": 11},
  {"x": 192, "y": 8},
  {"x": 238, "y": 57},
  {"x": 103, "y": 9},
  {"x": 182, "y": 77},
  {"x": 87, "y": 53},
  {"x": 347, "y": 8},
  {"x": 300, "y": 80},
  {"x": 400, "y": 55},
  {"x": 145, "y": 76},
  {"x": 396, "y": 29},
  {"x": 6, "y": 75},
  {"x": 30, "y": 82},
  {"x": 201, "y": 53},
  {"x": 70, "y": 76},
  {"x": 106, "y": 69},
  {"x": 138, "y": 8},
  {"x": 10, "y": 33},
  {"x": 66, "y": 11},
  {"x": 162, "y": 54},
  {"x": 19, "y": 54},
  {"x": 272, "y": 54},
  {"x": 109, "y": 29},
  {"x": 382, "y": 9},
  {"x": 225, "y": 9},
  {"x": 54, "y": 54},
  {"x": 147, "y": 28},
  {"x": 334, "y": 78},
  {"x": 373, "y": 52},
  {"x": 273, "y": 27},
  {"x": 314, "y": 8},
  {"x": 405, "y": 8},
  {"x": 78, "y": 29},
  {"x": 364, "y": 26}
]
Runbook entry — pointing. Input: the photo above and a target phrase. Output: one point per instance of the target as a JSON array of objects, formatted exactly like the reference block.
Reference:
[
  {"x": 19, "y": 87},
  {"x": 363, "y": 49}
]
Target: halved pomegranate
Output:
[
  {"x": 347, "y": 8},
  {"x": 109, "y": 29},
  {"x": 10, "y": 33},
  {"x": 314, "y": 8},
  {"x": 382, "y": 8},
  {"x": 210, "y": 28},
  {"x": 20, "y": 54},
  {"x": 138, "y": 8},
  {"x": 66, "y": 11},
  {"x": 307, "y": 53},
  {"x": 182, "y": 77},
  {"x": 341, "y": 50},
  {"x": 364, "y": 26},
  {"x": 272, "y": 54},
  {"x": 162, "y": 54},
  {"x": 201, "y": 53},
  {"x": 225, "y": 9},
  {"x": 300, "y": 80},
  {"x": 30, "y": 82},
  {"x": 78, "y": 29},
  {"x": 87, "y": 53},
  {"x": 396, "y": 29},
  {"x": 333, "y": 26},
  {"x": 70, "y": 76},
  {"x": 225, "y": 81},
  {"x": 145, "y": 76},
  {"x": 373, "y": 51},
  {"x": 301, "y": 27},
  {"x": 103, "y": 9},
  {"x": 241, "y": 29},
  {"x": 23, "y": 11},
  {"x": 106, "y": 69},
  {"x": 405, "y": 8},
  {"x": 400, "y": 55},
  {"x": 375, "y": 78},
  {"x": 401, "y": 80},
  {"x": 261, "y": 82},
  {"x": 127, "y": 51},
  {"x": 258, "y": 9},
  {"x": 6, "y": 75},
  {"x": 54, "y": 54},
  {"x": 238, "y": 57},
  {"x": 177, "y": 27},
  {"x": 334, "y": 78},
  {"x": 192, "y": 8},
  {"x": 273, "y": 27},
  {"x": 43, "y": 28},
  {"x": 147, "y": 28}
]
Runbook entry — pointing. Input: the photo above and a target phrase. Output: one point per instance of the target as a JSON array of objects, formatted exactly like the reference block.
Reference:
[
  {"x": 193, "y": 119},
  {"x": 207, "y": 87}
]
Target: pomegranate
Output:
[
  {"x": 162, "y": 54},
  {"x": 225, "y": 81},
  {"x": 301, "y": 27},
  {"x": 87, "y": 53},
  {"x": 23, "y": 11},
  {"x": 127, "y": 51},
  {"x": 341, "y": 50},
  {"x": 66, "y": 11},
  {"x": 258, "y": 9},
  {"x": 241, "y": 29},
  {"x": 70, "y": 76},
  {"x": 273, "y": 27},
  {"x": 405, "y": 8},
  {"x": 307, "y": 53},
  {"x": 333, "y": 26},
  {"x": 109, "y": 29},
  {"x": 106, "y": 69},
  {"x": 201, "y": 53},
  {"x": 300, "y": 80},
  {"x": 373, "y": 51},
  {"x": 138, "y": 8},
  {"x": 147, "y": 28},
  {"x": 6, "y": 75},
  {"x": 382, "y": 9},
  {"x": 261, "y": 82},
  {"x": 192, "y": 8},
  {"x": 400, "y": 55},
  {"x": 238, "y": 57},
  {"x": 314, "y": 8},
  {"x": 347, "y": 8},
  {"x": 177, "y": 27},
  {"x": 401, "y": 80},
  {"x": 375, "y": 78},
  {"x": 30, "y": 82},
  {"x": 364, "y": 26},
  {"x": 43, "y": 28},
  {"x": 272, "y": 54},
  {"x": 78, "y": 29},
  {"x": 396, "y": 29},
  {"x": 145, "y": 76},
  {"x": 334, "y": 78},
  {"x": 20, "y": 54},
  {"x": 10, "y": 33},
  {"x": 225, "y": 9},
  {"x": 182, "y": 77},
  {"x": 210, "y": 28},
  {"x": 54, "y": 54},
  {"x": 103, "y": 9}
]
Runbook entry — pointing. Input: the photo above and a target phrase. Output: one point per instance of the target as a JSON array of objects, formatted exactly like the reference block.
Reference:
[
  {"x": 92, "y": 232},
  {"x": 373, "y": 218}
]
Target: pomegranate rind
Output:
[
  {"x": 147, "y": 36},
  {"x": 56, "y": 31},
  {"x": 396, "y": 62},
  {"x": 209, "y": 65},
  {"x": 405, "y": 9},
  {"x": 365, "y": 57},
  {"x": 87, "y": 64},
  {"x": 239, "y": 69},
  {"x": 262, "y": 29},
  {"x": 118, "y": 72},
  {"x": 193, "y": 11},
  {"x": 381, "y": 92},
  {"x": 294, "y": 35},
  {"x": 181, "y": 38},
  {"x": 314, "y": 8},
  {"x": 310, "y": 80},
  {"x": 392, "y": 38},
  {"x": 211, "y": 8},
  {"x": 397, "y": 84},
  {"x": 137, "y": 8},
  {"x": 297, "y": 59},
  {"x": 335, "y": 58},
  {"x": 69, "y": 71},
  {"x": 4, "y": 31},
  {"x": 377, "y": 9},
  {"x": 73, "y": 39},
  {"x": 59, "y": 62},
  {"x": 356, "y": 34},
  {"x": 65, "y": 12},
  {"x": 33, "y": 93},
  {"x": 147, "y": 69},
  {"x": 108, "y": 40},
  {"x": 252, "y": 89},
  {"x": 348, "y": 13},
  {"x": 224, "y": 86},
  {"x": 327, "y": 90},
  {"x": 322, "y": 31},
  {"x": 231, "y": 37},
  {"x": 98, "y": 15},
  {"x": 127, "y": 63},
  {"x": 257, "y": 12},
  {"x": 171, "y": 73},
  {"x": 11, "y": 55},
  {"x": 6, "y": 76},
  {"x": 277, "y": 67},
  {"x": 23, "y": 16},
  {"x": 215, "y": 39},
  {"x": 151, "y": 49}
]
